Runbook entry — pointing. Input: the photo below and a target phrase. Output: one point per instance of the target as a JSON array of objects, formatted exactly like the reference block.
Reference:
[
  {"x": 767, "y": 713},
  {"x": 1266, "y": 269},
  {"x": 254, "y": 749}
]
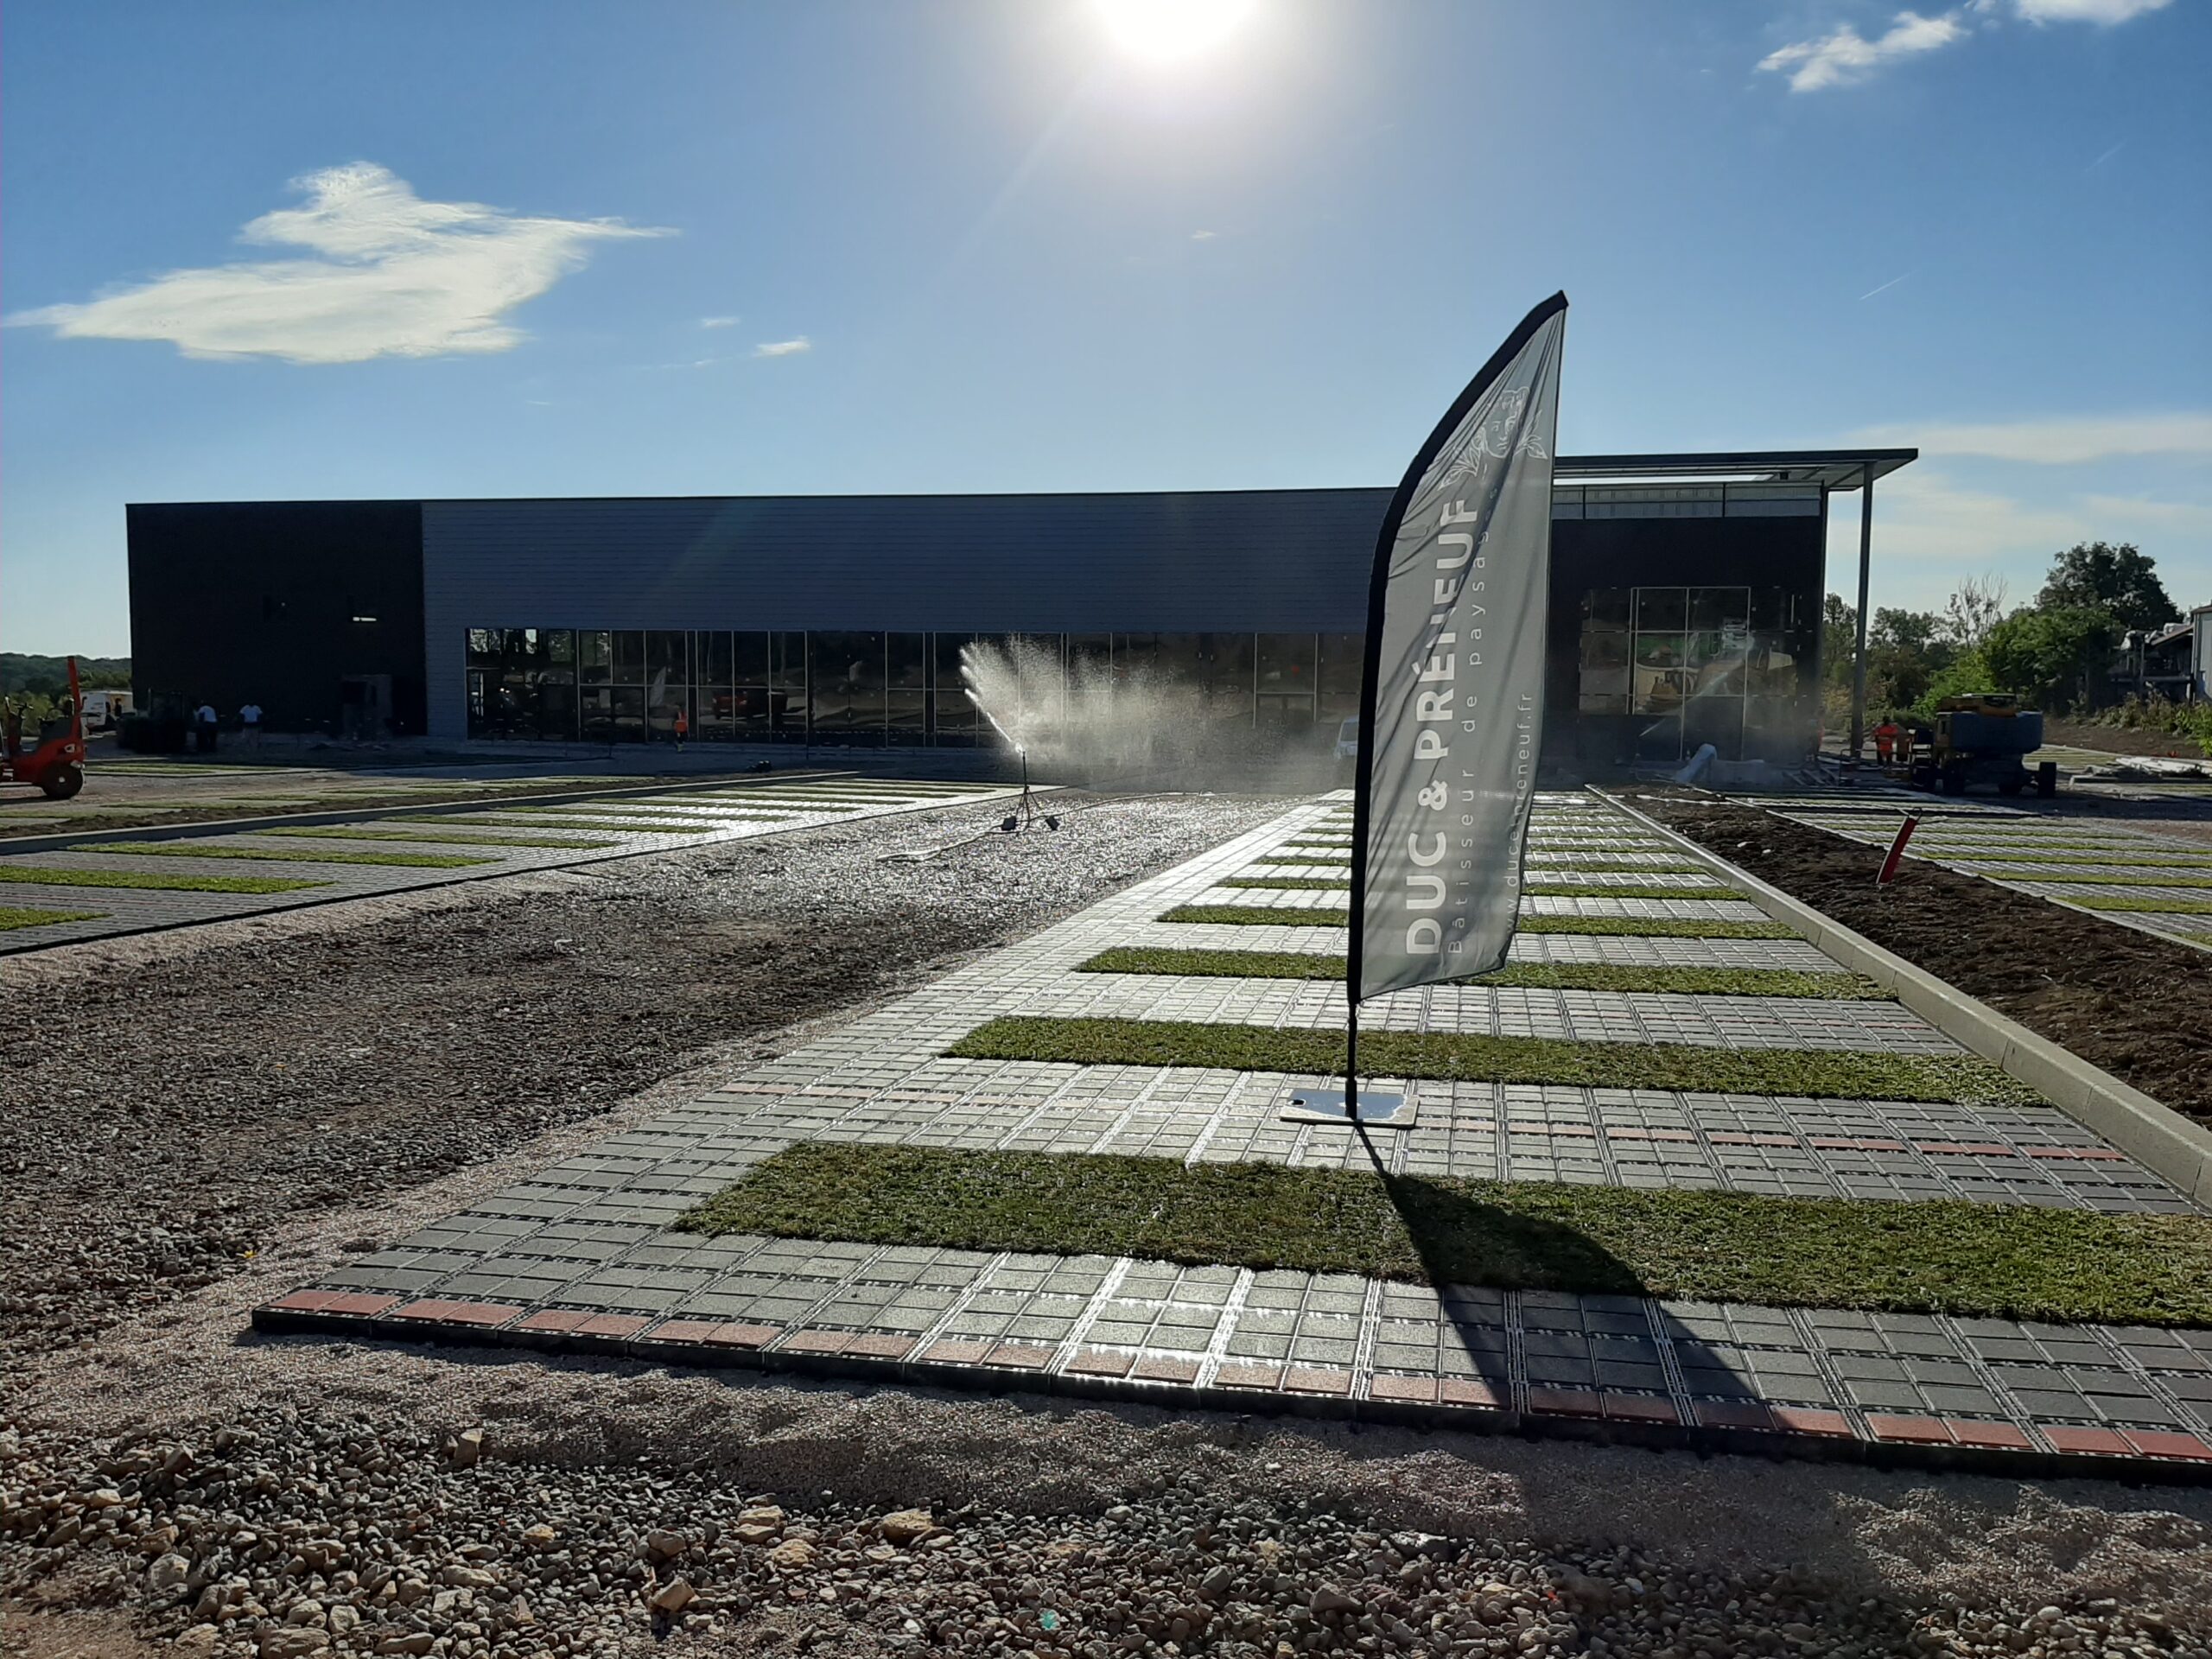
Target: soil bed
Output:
[{"x": 2137, "y": 1006}]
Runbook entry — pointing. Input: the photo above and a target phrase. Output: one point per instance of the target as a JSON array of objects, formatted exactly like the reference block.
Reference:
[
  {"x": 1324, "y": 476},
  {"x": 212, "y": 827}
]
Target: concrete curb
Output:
[
  {"x": 58, "y": 841},
  {"x": 2156, "y": 1136}
]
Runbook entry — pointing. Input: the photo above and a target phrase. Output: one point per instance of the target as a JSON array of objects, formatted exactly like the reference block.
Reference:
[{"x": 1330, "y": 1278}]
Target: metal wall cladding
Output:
[{"x": 1265, "y": 560}]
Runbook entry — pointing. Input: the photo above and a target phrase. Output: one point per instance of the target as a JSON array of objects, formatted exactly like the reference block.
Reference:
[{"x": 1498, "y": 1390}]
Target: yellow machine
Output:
[{"x": 1982, "y": 739}]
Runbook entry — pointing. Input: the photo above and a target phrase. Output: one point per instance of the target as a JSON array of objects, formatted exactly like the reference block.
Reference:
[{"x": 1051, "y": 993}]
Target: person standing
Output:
[
  {"x": 683, "y": 726},
  {"x": 205, "y": 717},
  {"x": 250, "y": 724}
]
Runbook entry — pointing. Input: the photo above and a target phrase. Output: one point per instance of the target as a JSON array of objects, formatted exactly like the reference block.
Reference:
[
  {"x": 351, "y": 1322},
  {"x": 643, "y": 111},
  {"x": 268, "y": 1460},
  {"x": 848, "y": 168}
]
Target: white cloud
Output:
[
  {"x": 2086, "y": 11},
  {"x": 783, "y": 347},
  {"x": 388, "y": 275},
  {"x": 1846, "y": 57},
  {"x": 718, "y": 322},
  {"x": 2064, "y": 440},
  {"x": 2171, "y": 515},
  {"x": 1203, "y": 236}
]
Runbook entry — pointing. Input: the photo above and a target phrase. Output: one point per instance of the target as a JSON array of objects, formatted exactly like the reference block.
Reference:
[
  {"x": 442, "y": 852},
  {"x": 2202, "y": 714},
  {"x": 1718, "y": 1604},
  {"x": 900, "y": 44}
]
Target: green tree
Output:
[
  {"x": 1839, "y": 639},
  {"x": 2053, "y": 657},
  {"x": 2122, "y": 579},
  {"x": 1905, "y": 650}
]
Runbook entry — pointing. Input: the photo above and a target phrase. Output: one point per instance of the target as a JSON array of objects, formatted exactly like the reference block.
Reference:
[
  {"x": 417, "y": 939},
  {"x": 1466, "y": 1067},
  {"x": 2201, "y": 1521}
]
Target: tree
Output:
[
  {"x": 2052, "y": 656},
  {"x": 1839, "y": 639},
  {"x": 1978, "y": 607},
  {"x": 1904, "y": 652},
  {"x": 2121, "y": 580}
]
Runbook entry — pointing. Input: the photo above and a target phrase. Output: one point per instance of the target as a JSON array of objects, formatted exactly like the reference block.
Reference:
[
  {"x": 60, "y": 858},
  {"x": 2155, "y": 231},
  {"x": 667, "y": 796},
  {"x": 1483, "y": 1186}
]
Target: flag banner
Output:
[{"x": 1451, "y": 702}]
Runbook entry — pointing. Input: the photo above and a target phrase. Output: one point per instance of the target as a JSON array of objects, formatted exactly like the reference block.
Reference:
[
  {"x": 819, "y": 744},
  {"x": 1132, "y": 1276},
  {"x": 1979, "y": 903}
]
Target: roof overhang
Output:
[{"x": 1832, "y": 469}]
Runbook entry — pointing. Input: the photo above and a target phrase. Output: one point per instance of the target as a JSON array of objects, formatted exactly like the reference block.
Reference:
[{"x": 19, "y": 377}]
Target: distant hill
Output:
[{"x": 50, "y": 675}]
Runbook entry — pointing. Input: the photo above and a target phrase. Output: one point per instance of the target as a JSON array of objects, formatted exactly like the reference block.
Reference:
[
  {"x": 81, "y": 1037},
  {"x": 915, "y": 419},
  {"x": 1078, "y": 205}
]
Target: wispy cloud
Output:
[
  {"x": 2107, "y": 156},
  {"x": 2060, "y": 441},
  {"x": 1846, "y": 57},
  {"x": 783, "y": 347},
  {"x": 2107, "y": 12},
  {"x": 1885, "y": 287},
  {"x": 720, "y": 322},
  {"x": 1203, "y": 236},
  {"x": 388, "y": 275}
]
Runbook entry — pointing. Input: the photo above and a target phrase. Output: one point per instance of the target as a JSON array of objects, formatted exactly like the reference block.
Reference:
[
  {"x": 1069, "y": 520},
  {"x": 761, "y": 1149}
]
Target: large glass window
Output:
[
  {"x": 522, "y": 683},
  {"x": 955, "y": 718},
  {"x": 846, "y": 677},
  {"x": 1343, "y": 660},
  {"x": 787, "y": 687},
  {"x": 1285, "y": 678},
  {"x": 907, "y": 687}
]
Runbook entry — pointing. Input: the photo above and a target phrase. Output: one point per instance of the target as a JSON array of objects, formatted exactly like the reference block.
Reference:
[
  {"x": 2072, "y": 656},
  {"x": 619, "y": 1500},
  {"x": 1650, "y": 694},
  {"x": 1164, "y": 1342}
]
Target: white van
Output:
[{"x": 1348, "y": 739}]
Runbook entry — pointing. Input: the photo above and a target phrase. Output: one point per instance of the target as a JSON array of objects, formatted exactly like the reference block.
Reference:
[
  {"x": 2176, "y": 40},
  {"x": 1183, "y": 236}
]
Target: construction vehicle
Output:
[
  {"x": 1982, "y": 739},
  {"x": 54, "y": 761}
]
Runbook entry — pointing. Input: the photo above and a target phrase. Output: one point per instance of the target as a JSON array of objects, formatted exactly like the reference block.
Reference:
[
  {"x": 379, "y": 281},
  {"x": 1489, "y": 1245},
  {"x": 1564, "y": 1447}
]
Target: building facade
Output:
[{"x": 1685, "y": 608}]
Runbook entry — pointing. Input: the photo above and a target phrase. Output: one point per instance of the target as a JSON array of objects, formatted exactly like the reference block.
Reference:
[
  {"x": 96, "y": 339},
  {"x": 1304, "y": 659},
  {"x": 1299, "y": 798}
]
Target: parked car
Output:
[{"x": 1348, "y": 739}]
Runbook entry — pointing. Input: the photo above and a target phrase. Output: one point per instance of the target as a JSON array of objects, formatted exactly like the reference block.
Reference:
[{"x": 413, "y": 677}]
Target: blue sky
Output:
[{"x": 256, "y": 251}]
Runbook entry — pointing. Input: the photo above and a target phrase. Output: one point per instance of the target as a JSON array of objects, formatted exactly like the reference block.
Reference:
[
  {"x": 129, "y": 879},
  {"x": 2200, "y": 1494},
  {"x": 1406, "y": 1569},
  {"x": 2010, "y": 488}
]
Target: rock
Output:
[
  {"x": 1215, "y": 1585},
  {"x": 196, "y": 1643},
  {"x": 467, "y": 1578},
  {"x": 168, "y": 1573},
  {"x": 343, "y": 1618},
  {"x": 906, "y": 1526},
  {"x": 673, "y": 1597},
  {"x": 760, "y": 1524},
  {"x": 540, "y": 1536},
  {"x": 1329, "y": 1599},
  {"x": 662, "y": 1545},
  {"x": 411, "y": 1642},
  {"x": 468, "y": 1447},
  {"x": 792, "y": 1554},
  {"x": 292, "y": 1641}
]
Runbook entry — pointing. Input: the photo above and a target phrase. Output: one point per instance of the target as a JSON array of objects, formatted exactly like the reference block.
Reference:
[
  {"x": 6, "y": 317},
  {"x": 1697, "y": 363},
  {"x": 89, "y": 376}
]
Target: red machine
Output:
[{"x": 55, "y": 760}]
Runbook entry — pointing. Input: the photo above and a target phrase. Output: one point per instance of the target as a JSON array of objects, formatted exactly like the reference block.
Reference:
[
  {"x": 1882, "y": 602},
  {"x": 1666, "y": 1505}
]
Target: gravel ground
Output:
[{"x": 170, "y": 1482}]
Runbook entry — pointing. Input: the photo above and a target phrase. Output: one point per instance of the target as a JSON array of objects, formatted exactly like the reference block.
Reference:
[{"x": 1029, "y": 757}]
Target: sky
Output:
[{"x": 266, "y": 250}]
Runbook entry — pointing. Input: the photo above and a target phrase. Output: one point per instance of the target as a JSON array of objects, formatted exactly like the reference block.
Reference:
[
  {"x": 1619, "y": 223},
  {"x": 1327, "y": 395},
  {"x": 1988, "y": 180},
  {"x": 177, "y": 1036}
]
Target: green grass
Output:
[
  {"x": 447, "y": 838},
  {"x": 1531, "y": 976},
  {"x": 2199, "y": 864},
  {"x": 166, "y": 883},
  {"x": 1640, "y": 927},
  {"x": 1947, "y": 1256},
  {"x": 523, "y": 821},
  {"x": 16, "y": 916},
  {"x": 285, "y": 855},
  {"x": 1534, "y": 889},
  {"x": 2160, "y": 906},
  {"x": 1827, "y": 1074}
]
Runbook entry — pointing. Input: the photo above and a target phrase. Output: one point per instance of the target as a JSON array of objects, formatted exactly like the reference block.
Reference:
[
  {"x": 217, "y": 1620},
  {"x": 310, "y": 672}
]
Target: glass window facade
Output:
[{"x": 1662, "y": 671}]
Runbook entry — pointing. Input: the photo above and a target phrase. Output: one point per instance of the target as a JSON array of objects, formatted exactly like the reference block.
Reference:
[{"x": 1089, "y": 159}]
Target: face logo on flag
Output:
[{"x": 1452, "y": 699}]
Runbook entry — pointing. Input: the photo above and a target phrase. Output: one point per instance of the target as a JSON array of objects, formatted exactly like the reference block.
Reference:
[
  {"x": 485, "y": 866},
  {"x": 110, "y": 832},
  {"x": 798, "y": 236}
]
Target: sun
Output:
[{"x": 1170, "y": 31}]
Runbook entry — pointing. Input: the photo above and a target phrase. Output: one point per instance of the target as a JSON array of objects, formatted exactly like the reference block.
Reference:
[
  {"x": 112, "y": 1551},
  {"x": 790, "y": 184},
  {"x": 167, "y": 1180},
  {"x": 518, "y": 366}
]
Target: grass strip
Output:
[
  {"x": 1538, "y": 889},
  {"x": 2197, "y": 864},
  {"x": 161, "y": 882},
  {"x": 1638, "y": 927},
  {"x": 1825, "y": 1074},
  {"x": 16, "y": 916},
  {"x": 522, "y": 821},
  {"x": 1530, "y": 975},
  {"x": 447, "y": 838},
  {"x": 2157, "y": 906},
  {"x": 285, "y": 855},
  {"x": 1950, "y": 1256}
]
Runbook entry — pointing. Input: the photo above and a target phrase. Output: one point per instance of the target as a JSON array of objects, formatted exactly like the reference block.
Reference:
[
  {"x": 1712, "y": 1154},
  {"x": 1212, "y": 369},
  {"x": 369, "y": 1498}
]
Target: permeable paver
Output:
[{"x": 585, "y": 1254}]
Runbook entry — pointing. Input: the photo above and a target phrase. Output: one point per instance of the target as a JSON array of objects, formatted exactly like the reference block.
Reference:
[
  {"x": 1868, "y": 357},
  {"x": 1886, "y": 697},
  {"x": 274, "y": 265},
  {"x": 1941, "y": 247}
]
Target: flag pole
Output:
[{"x": 1351, "y": 1062}]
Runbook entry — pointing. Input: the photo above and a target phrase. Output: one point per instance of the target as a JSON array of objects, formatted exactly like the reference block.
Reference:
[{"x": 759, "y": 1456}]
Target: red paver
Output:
[
  {"x": 2157, "y": 1443},
  {"x": 1157, "y": 1368},
  {"x": 879, "y": 1344},
  {"x": 1469, "y": 1391},
  {"x": 1641, "y": 1408},
  {"x": 817, "y": 1342},
  {"x": 1567, "y": 1403},
  {"x": 1097, "y": 1362},
  {"x": 1977, "y": 1431},
  {"x": 1918, "y": 1431},
  {"x": 1811, "y": 1420},
  {"x": 1317, "y": 1379},
  {"x": 2093, "y": 1442},
  {"x": 1411, "y": 1390},
  {"x": 1020, "y": 1356},
  {"x": 1733, "y": 1414},
  {"x": 1250, "y": 1377},
  {"x": 558, "y": 1321},
  {"x": 354, "y": 1303},
  {"x": 445, "y": 1312},
  {"x": 954, "y": 1351}
]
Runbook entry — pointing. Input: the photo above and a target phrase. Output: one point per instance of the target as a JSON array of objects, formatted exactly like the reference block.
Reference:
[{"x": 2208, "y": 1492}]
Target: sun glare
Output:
[{"x": 1170, "y": 31}]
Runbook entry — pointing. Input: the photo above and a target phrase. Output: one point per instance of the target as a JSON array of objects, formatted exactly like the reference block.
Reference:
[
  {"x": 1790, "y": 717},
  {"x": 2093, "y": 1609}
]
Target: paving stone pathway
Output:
[
  {"x": 498, "y": 839},
  {"x": 582, "y": 1255}
]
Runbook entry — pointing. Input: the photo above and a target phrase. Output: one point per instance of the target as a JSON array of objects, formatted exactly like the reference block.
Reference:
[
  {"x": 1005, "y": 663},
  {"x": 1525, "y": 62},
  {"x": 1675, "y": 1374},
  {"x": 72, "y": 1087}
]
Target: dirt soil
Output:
[
  {"x": 2118, "y": 740},
  {"x": 165, "y": 1102},
  {"x": 2137, "y": 1006}
]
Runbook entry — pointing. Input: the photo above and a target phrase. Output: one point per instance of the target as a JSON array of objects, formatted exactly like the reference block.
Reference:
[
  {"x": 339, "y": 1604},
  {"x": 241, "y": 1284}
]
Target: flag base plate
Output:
[{"x": 1327, "y": 1106}]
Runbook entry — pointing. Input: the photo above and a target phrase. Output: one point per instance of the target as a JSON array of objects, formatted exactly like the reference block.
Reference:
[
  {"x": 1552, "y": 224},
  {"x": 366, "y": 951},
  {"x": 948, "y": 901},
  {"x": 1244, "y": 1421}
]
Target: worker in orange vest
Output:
[
  {"x": 1885, "y": 741},
  {"x": 682, "y": 728}
]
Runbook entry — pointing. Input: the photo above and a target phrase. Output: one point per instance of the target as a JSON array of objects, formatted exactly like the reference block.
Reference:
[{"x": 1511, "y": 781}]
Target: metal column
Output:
[{"x": 1859, "y": 663}]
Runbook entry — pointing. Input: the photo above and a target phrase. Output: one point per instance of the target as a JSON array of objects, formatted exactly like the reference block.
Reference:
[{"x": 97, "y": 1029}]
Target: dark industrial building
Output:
[{"x": 1686, "y": 597}]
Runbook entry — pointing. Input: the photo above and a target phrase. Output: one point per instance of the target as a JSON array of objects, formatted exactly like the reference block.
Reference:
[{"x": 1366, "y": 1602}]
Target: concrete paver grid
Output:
[
  {"x": 580, "y": 1255},
  {"x": 133, "y": 910}
]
